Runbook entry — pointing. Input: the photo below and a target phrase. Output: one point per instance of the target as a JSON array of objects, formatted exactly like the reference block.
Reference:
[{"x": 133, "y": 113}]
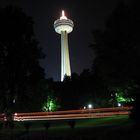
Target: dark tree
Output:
[
  {"x": 77, "y": 91},
  {"x": 135, "y": 112},
  {"x": 117, "y": 50},
  {"x": 20, "y": 73}
]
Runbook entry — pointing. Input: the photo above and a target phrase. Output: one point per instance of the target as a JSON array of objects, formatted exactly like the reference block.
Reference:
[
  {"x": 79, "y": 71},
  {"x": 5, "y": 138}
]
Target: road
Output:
[{"x": 70, "y": 114}]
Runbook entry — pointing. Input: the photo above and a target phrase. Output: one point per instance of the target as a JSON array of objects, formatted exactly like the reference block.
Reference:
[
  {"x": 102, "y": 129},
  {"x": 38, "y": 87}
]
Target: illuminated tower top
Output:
[{"x": 63, "y": 24}]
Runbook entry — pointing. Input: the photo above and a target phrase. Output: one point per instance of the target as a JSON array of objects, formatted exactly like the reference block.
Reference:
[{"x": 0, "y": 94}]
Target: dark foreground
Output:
[{"x": 113, "y": 128}]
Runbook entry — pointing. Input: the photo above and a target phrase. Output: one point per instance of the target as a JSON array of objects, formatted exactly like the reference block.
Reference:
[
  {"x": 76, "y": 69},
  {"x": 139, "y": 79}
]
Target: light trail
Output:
[{"x": 70, "y": 114}]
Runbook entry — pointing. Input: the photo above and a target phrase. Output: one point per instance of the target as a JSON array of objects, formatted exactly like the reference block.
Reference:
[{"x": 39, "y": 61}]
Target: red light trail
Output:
[{"x": 69, "y": 114}]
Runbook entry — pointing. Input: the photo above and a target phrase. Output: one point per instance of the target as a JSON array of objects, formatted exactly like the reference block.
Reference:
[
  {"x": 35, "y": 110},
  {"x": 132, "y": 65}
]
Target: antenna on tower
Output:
[{"x": 63, "y": 15}]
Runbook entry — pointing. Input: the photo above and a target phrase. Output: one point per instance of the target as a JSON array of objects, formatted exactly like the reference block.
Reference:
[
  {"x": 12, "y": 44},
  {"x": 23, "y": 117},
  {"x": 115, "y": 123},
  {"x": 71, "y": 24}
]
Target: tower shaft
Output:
[{"x": 65, "y": 61}]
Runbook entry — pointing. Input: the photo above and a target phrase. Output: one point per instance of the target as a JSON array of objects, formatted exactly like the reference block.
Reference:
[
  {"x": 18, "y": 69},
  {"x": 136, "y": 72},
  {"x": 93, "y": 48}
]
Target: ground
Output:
[{"x": 112, "y": 128}]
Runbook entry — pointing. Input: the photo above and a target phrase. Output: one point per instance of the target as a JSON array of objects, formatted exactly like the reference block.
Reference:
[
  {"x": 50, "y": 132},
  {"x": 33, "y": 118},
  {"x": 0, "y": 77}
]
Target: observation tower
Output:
[{"x": 64, "y": 26}]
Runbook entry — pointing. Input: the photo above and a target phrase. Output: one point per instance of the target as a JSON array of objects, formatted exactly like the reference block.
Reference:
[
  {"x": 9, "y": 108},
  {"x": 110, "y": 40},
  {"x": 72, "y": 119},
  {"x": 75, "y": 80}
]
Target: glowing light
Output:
[
  {"x": 14, "y": 100},
  {"x": 119, "y": 104},
  {"x": 15, "y": 114},
  {"x": 90, "y": 106},
  {"x": 63, "y": 15},
  {"x": 84, "y": 107}
]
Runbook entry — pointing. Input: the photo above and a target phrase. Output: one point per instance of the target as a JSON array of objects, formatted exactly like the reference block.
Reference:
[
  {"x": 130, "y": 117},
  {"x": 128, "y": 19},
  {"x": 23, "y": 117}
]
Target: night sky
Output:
[{"x": 87, "y": 15}]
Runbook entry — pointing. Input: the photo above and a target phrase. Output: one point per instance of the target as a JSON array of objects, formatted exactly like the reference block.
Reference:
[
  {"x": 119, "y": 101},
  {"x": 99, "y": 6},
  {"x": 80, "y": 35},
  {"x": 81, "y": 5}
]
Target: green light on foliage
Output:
[
  {"x": 50, "y": 105},
  {"x": 122, "y": 99}
]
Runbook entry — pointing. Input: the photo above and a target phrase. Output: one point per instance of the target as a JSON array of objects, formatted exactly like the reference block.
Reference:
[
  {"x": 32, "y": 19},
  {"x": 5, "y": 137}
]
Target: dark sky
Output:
[{"x": 87, "y": 15}]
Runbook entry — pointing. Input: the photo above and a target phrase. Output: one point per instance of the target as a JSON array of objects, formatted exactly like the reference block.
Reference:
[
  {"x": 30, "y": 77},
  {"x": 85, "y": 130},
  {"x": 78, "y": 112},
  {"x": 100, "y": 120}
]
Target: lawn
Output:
[{"x": 110, "y": 128}]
